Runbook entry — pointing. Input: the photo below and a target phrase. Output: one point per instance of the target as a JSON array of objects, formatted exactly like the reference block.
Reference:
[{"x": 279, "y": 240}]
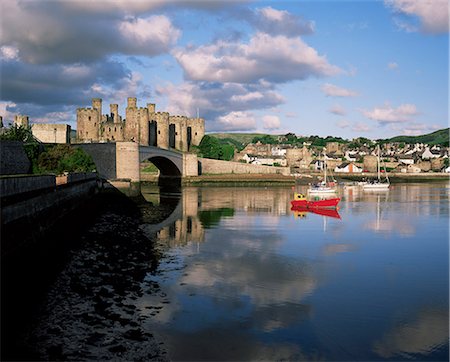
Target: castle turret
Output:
[
  {"x": 21, "y": 120},
  {"x": 131, "y": 102},
  {"x": 97, "y": 104},
  {"x": 132, "y": 130},
  {"x": 151, "y": 107},
  {"x": 114, "y": 110}
]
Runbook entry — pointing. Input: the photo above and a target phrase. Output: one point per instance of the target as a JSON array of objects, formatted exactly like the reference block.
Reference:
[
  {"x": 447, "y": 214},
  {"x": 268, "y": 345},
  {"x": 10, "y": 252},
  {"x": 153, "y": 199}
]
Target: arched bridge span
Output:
[{"x": 169, "y": 163}]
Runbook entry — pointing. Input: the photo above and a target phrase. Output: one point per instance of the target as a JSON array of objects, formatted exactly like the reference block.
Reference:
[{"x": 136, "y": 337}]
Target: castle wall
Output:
[
  {"x": 92, "y": 126},
  {"x": 180, "y": 131},
  {"x": 21, "y": 120},
  {"x": 88, "y": 125},
  {"x": 198, "y": 129},
  {"x": 162, "y": 120},
  {"x": 143, "y": 119},
  {"x": 51, "y": 133}
]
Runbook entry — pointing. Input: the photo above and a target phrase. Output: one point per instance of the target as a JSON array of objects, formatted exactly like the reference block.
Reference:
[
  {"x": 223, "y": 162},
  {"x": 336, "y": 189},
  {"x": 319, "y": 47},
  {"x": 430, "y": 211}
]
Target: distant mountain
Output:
[{"x": 435, "y": 138}]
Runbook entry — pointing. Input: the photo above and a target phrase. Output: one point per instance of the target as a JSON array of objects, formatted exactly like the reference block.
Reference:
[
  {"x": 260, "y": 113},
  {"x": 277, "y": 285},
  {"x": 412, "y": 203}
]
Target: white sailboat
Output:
[
  {"x": 324, "y": 187},
  {"x": 378, "y": 184}
]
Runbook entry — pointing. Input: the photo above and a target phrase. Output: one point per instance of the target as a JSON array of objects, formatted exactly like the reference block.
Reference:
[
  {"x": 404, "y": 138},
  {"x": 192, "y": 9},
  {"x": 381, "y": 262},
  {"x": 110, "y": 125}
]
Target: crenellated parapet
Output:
[{"x": 142, "y": 125}]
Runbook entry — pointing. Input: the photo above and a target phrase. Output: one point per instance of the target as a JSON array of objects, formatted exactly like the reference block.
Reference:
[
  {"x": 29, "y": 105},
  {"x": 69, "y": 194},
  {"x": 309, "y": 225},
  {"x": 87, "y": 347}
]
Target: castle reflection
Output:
[{"x": 193, "y": 209}]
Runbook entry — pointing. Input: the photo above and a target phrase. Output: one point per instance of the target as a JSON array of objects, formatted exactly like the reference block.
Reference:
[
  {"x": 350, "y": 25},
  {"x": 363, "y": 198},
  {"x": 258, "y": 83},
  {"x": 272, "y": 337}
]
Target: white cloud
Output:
[
  {"x": 217, "y": 100},
  {"x": 271, "y": 122},
  {"x": 49, "y": 32},
  {"x": 433, "y": 14},
  {"x": 155, "y": 31},
  {"x": 360, "y": 127},
  {"x": 9, "y": 53},
  {"x": 388, "y": 114},
  {"x": 264, "y": 57},
  {"x": 343, "y": 124},
  {"x": 415, "y": 129},
  {"x": 392, "y": 65},
  {"x": 236, "y": 121},
  {"x": 280, "y": 22},
  {"x": 5, "y": 112},
  {"x": 338, "y": 110},
  {"x": 335, "y": 91}
]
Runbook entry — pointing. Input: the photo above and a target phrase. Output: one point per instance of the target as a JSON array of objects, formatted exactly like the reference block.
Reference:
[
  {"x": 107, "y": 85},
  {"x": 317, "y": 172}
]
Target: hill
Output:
[
  {"x": 243, "y": 138},
  {"x": 440, "y": 137},
  {"x": 435, "y": 138}
]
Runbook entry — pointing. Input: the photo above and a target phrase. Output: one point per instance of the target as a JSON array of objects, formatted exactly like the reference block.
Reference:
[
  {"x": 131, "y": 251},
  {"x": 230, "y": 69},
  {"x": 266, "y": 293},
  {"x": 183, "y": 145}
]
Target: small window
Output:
[
  {"x": 196, "y": 133},
  {"x": 109, "y": 129},
  {"x": 89, "y": 117},
  {"x": 115, "y": 129},
  {"x": 159, "y": 132},
  {"x": 176, "y": 133}
]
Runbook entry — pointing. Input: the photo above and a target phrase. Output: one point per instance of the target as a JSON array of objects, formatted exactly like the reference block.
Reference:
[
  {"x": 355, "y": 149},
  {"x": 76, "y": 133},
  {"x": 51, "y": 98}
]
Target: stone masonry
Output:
[{"x": 142, "y": 125}]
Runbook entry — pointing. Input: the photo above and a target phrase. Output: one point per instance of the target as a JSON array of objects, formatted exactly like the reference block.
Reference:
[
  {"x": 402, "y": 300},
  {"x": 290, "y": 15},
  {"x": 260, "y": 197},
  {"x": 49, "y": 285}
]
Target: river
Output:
[{"x": 229, "y": 273}]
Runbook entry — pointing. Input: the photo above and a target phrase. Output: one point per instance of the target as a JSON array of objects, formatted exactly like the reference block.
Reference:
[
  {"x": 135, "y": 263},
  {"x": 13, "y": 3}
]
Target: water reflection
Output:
[{"x": 249, "y": 278}]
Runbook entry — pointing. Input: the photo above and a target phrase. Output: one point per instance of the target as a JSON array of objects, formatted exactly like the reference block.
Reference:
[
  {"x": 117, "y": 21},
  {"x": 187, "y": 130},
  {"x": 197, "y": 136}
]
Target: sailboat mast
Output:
[
  {"x": 325, "y": 166},
  {"x": 378, "y": 163}
]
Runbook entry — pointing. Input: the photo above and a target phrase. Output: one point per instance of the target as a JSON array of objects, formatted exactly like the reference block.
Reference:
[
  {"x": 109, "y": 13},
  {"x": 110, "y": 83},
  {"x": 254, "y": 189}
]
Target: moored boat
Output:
[
  {"x": 325, "y": 187},
  {"x": 301, "y": 201},
  {"x": 301, "y": 211},
  {"x": 378, "y": 184}
]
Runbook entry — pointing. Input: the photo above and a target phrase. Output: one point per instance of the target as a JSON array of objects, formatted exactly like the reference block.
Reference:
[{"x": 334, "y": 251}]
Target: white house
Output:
[
  {"x": 348, "y": 167},
  {"x": 427, "y": 154}
]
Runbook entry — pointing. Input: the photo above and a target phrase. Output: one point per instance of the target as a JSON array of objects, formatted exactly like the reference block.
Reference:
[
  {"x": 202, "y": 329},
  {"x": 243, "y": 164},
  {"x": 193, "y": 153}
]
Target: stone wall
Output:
[
  {"x": 13, "y": 159},
  {"x": 15, "y": 185},
  {"x": 209, "y": 166},
  {"x": 104, "y": 157},
  {"x": 27, "y": 218},
  {"x": 142, "y": 125},
  {"x": 51, "y": 133},
  {"x": 127, "y": 156}
]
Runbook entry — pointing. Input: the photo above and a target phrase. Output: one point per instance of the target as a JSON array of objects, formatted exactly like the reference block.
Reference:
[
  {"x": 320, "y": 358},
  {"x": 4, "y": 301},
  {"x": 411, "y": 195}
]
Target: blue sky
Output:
[{"x": 345, "y": 68}]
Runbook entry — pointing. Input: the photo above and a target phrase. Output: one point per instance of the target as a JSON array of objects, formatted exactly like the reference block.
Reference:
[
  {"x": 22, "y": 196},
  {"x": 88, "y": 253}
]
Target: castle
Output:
[{"x": 142, "y": 125}]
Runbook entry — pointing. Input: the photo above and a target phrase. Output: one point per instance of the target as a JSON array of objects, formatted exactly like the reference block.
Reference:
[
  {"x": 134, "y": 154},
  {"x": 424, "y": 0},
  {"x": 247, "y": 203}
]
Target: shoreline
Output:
[{"x": 306, "y": 178}]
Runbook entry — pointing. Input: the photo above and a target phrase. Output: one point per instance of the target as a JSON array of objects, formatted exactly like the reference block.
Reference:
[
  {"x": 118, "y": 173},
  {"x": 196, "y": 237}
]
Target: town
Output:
[{"x": 296, "y": 155}]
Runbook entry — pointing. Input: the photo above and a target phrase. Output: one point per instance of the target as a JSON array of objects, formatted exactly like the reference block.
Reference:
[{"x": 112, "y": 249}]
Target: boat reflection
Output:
[{"x": 301, "y": 212}]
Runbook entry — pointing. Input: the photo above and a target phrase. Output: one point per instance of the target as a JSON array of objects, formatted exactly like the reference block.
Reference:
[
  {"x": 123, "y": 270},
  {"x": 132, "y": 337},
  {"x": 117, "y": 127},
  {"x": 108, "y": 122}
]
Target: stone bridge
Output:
[{"x": 121, "y": 160}]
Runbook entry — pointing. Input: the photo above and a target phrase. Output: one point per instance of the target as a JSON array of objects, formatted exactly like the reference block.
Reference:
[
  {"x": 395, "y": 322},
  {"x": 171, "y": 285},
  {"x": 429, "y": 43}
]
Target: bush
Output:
[
  {"x": 63, "y": 158},
  {"x": 18, "y": 133}
]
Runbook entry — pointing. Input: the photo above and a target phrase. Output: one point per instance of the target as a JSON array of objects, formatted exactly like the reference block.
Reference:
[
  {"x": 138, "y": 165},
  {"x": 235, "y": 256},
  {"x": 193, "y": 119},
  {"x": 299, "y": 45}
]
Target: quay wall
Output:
[
  {"x": 13, "y": 159},
  {"x": 15, "y": 185},
  {"x": 209, "y": 166},
  {"x": 28, "y": 216}
]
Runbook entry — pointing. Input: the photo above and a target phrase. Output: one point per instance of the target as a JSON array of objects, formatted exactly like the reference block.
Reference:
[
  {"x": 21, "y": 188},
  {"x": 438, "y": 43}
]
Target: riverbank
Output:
[
  {"x": 70, "y": 296},
  {"x": 305, "y": 178}
]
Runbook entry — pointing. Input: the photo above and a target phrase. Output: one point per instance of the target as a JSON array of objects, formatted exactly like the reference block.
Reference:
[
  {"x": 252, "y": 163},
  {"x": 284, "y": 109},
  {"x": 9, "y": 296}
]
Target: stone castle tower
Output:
[{"x": 141, "y": 124}]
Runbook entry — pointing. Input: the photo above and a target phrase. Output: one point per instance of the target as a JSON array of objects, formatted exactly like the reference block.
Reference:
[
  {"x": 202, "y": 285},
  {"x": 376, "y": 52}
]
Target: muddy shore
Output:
[{"x": 74, "y": 296}]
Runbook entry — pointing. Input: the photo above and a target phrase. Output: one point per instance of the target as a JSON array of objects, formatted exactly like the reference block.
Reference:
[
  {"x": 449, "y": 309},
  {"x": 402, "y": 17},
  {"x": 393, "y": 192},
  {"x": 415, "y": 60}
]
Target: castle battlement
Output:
[{"x": 142, "y": 125}]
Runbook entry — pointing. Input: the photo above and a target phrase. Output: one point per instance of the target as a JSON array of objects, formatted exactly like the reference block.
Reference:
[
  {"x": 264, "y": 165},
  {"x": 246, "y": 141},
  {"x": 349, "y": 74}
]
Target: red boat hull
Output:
[
  {"x": 327, "y": 203},
  {"x": 317, "y": 210}
]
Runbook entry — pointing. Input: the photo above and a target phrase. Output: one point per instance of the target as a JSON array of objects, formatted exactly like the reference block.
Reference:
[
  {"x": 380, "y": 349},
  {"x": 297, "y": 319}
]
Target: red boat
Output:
[
  {"x": 301, "y": 211},
  {"x": 300, "y": 201}
]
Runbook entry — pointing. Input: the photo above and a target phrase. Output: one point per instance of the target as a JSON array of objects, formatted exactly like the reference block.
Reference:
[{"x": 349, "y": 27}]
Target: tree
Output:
[
  {"x": 63, "y": 158},
  {"x": 18, "y": 133},
  {"x": 210, "y": 147}
]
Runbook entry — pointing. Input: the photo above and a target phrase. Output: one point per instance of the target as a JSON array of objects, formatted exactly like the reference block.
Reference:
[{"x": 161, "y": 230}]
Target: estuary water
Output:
[
  {"x": 244, "y": 277},
  {"x": 231, "y": 273}
]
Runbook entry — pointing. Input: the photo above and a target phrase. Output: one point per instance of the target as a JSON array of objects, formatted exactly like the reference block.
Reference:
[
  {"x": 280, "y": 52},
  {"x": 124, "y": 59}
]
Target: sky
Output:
[{"x": 367, "y": 68}]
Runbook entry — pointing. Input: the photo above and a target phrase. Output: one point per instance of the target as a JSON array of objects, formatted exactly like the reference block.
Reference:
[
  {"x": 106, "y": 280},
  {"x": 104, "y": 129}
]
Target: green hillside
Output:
[
  {"x": 243, "y": 138},
  {"x": 440, "y": 137},
  {"x": 435, "y": 138}
]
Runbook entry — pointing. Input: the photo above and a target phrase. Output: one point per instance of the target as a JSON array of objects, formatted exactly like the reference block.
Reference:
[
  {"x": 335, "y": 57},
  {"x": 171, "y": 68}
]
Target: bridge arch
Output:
[{"x": 165, "y": 166}]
